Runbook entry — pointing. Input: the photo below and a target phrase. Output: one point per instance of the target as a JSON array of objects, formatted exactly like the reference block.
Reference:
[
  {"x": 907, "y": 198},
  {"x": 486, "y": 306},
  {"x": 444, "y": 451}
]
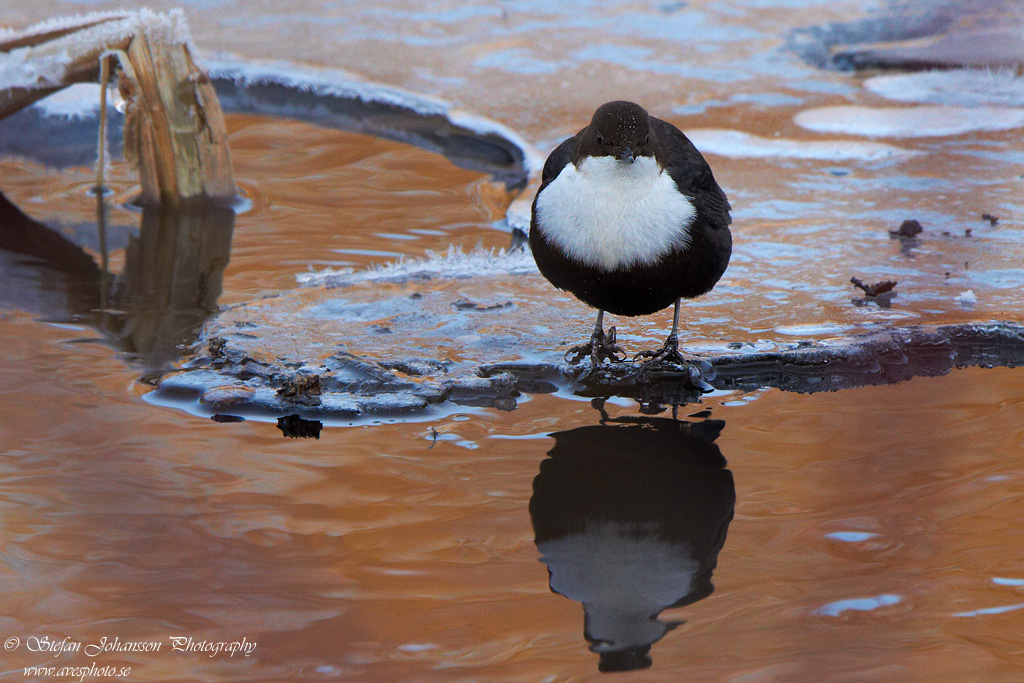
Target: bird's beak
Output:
[{"x": 627, "y": 154}]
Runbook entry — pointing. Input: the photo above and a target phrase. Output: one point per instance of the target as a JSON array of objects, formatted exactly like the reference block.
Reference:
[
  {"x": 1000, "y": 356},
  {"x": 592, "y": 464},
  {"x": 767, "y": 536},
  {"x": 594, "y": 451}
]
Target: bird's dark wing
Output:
[
  {"x": 692, "y": 174},
  {"x": 557, "y": 160}
]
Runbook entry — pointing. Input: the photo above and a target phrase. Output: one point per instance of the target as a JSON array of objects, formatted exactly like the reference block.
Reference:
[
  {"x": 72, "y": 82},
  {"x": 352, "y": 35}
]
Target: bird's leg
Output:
[
  {"x": 667, "y": 354},
  {"x": 601, "y": 347}
]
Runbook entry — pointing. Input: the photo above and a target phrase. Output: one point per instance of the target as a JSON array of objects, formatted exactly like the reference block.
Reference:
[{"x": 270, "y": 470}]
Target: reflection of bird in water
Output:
[{"x": 629, "y": 518}]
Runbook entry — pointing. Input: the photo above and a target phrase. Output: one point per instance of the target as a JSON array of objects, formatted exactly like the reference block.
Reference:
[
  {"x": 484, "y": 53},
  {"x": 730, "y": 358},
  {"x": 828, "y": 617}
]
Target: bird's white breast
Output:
[{"x": 610, "y": 214}]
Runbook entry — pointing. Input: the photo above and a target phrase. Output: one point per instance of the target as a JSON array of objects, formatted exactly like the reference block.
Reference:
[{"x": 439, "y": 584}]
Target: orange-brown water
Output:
[
  {"x": 875, "y": 533},
  {"x": 396, "y": 552},
  {"x": 382, "y": 554}
]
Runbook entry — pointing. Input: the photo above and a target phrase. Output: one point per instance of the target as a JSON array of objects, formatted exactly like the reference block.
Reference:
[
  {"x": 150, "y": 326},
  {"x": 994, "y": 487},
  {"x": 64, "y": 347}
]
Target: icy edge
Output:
[
  {"x": 25, "y": 67},
  {"x": 453, "y": 264},
  {"x": 61, "y": 23},
  {"x": 334, "y": 82}
]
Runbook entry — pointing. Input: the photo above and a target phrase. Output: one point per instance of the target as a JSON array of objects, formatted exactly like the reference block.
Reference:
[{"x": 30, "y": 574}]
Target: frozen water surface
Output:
[
  {"x": 958, "y": 87},
  {"x": 449, "y": 477},
  {"x": 903, "y": 122}
]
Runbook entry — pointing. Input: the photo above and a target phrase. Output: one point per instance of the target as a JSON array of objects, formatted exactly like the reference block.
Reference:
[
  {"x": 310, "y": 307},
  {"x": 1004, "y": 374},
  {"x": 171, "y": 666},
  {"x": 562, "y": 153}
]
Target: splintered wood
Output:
[
  {"x": 174, "y": 135},
  {"x": 174, "y": 128}
]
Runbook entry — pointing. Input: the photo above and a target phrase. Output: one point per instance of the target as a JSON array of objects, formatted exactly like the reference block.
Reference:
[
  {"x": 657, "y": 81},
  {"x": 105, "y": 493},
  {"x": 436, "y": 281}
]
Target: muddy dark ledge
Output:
[
  {"x": 918, "y": 35},
  {"x": 351, "y": 389},
  {"x": 882, "y": 358},
  {"x": 879, "y": 358}
]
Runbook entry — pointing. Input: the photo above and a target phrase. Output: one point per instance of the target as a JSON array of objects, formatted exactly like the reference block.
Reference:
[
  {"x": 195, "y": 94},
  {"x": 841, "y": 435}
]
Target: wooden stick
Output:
[
  {"x": 174, "y": 127},
  {"x": 101, "y": 144},
  {"x": 175, "y": 133}
]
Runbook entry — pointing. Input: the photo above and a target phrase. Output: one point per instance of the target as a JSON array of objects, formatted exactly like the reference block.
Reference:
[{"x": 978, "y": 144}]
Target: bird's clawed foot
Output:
[
  {"x": 601, "y": 348},
  {"x": 666, "y": 355}
]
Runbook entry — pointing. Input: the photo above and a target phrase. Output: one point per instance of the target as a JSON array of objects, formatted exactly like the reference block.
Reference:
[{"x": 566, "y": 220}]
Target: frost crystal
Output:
[
  {"x": 968, "y": 298},
  {"x": 453, "y": 264},
  {"x": 36, "y": 67}
]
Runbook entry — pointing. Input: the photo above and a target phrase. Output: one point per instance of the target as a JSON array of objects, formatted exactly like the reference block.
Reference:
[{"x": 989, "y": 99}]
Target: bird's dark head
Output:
[{"x": 621, "y": 130}]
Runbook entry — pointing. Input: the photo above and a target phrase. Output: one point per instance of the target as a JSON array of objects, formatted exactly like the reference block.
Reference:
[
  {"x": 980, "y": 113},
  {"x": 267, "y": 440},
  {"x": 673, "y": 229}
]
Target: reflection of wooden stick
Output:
[{"x": 101, "y": 228}]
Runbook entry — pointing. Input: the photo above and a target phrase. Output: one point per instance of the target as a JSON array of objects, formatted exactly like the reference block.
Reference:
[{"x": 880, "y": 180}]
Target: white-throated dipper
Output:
[{"x": 629, "y": 219}]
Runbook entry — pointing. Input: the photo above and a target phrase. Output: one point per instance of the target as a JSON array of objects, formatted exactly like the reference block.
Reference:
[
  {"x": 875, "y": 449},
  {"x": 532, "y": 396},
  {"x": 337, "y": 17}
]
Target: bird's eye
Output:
[{"x": 600, "y": 139}]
